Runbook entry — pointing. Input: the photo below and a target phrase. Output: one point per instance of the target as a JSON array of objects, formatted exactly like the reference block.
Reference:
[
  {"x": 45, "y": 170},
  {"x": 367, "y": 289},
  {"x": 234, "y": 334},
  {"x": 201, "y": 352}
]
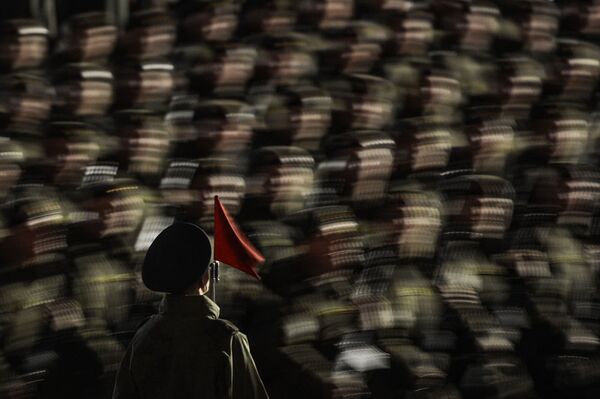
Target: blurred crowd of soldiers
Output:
[{"x": 421, "y": 176}]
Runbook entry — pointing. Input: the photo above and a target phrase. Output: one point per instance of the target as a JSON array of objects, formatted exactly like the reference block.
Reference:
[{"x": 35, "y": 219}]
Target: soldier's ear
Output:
[{"x": 204, "y": 283}]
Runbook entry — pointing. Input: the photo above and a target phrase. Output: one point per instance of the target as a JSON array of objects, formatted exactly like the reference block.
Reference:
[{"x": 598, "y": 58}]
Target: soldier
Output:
[{"x": 186, "y": 351}]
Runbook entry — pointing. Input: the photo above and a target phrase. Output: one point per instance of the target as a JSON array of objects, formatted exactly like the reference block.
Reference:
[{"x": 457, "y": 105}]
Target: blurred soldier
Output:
[{"x": 186, "y": 351}]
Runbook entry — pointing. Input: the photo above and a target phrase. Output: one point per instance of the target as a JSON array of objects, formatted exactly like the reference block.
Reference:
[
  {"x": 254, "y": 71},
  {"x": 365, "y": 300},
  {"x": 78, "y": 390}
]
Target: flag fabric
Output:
[{"x": 231, "y": 245}]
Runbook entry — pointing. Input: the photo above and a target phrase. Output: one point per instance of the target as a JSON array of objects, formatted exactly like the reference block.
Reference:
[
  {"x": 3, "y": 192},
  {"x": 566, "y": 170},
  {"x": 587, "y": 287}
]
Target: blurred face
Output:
[
  {"x": 9, "y": 175},
  {"x": 86, "y": 97},
  {"x": 42, "y": 232},
  {"x": 229, "y": 187},
  {"x": 579, "y": 76},
  {"x": 568, "y": 139},
  {"x": 371, "y": 112},
  {"x": 29, "y": 108},
  {"x": 209, "y": 27},
  {"x": 335, "y": 245},
  {"x": 430, "y": 150},
  {"x": 146, "y": 148},
  {"x": 286, "y": 188},
  {"x": 441, "y": 90},
  {"x": 522, "y": 89},
  {"x": 592, "y": 15},
  {"x": 291, "y": 65},
  {"x": 95, "y": 44},
  {"x": 277, "y": 22},
  {"x": 335, "y": 11},
  {"x": 577, "y": 199},
  {"x": 491, "y": 145},
  {"x": 490, "y": 217},
  {"x": 540, "y": 32},
  {"x": 359, "y": 57},
  {"x": 479, "y": 29},
  {"x": 226, "y": 135},
  {"x": 235, "y": 68},
  {"x": 72, "y": 159},
  {"x": 24, "y": 51},
  {"x": 150, "y": 42},
  {"x": 418, "y": 229},
  {"x": 310, "y": 123},
  {"x": 120, "y": 213},
  {"x": 415, "y": 36},
  {"x": 152, "y": 84},
  {"x": 369, "y": 171}
]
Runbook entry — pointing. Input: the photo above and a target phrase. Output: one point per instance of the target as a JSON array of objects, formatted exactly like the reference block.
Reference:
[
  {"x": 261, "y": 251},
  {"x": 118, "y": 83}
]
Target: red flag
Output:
[{"x": 231, "y": 245}]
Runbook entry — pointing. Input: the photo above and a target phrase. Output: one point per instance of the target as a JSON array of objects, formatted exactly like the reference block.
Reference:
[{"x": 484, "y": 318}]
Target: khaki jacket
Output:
[{"x": 186, "y": 351}]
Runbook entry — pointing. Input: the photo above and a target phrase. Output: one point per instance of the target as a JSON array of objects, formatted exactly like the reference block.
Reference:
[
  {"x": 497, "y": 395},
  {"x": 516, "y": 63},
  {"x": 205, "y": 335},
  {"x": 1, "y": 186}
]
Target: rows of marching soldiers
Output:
[{"x": 421, "y": 176}]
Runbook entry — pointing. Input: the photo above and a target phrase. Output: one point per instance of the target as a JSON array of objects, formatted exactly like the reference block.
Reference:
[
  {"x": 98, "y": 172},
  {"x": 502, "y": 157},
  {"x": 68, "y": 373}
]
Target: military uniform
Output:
[{"x": 186, "y": 351}]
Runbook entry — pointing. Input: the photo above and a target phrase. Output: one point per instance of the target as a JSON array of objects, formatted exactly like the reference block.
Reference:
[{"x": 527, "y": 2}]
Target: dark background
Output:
[{"x": 421, "y": 176}]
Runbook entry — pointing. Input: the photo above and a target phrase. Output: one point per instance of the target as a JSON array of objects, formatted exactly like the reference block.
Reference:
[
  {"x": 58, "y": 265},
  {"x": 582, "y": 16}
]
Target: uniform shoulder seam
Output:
[{"x": 229, "y": 326}]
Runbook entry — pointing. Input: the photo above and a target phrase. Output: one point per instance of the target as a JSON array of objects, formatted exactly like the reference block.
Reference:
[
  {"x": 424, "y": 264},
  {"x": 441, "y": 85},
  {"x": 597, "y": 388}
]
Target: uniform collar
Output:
[{"x": 199, "y": 305}]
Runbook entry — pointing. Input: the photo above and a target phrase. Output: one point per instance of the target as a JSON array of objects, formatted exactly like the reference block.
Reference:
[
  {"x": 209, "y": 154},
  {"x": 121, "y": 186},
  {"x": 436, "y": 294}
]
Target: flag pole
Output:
[{"x": 214, "y": 277}]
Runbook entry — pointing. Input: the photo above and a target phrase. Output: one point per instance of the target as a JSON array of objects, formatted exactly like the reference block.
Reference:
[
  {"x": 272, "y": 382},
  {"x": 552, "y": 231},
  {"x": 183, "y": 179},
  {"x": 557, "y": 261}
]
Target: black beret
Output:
[{"x": 177, "y": 258}]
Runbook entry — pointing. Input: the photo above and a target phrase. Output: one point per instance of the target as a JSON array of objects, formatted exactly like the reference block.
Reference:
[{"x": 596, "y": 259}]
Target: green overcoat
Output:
[{"x": 185, "y": 351}]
